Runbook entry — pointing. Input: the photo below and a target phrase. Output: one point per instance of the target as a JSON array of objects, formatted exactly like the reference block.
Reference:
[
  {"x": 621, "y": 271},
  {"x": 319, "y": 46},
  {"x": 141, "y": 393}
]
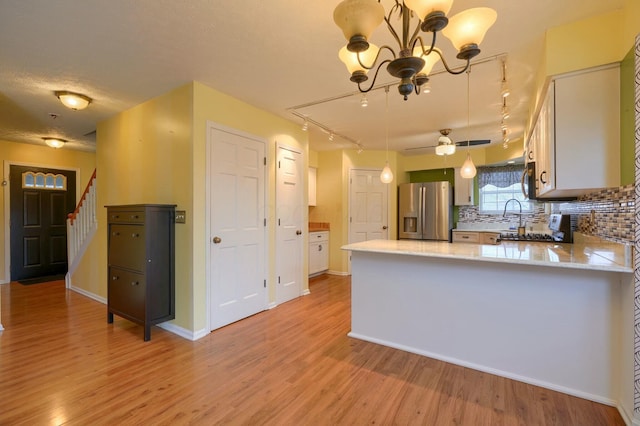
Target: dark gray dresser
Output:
[{"x": 141, "y": 263}]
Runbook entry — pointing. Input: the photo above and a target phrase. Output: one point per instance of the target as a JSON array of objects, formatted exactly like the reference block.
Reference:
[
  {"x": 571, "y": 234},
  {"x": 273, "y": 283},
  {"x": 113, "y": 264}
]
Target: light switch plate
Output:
[{"x": 181, "y": 216}]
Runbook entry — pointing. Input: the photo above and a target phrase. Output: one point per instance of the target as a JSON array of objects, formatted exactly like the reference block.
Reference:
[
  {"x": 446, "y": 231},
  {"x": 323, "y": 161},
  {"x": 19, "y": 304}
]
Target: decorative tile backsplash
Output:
[{"x": 607, "y": 214}]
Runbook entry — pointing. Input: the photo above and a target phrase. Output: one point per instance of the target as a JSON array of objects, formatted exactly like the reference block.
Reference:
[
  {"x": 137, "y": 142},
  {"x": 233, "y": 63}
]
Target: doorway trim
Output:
[
  {"x": 7, "y": 206},
  {"x": 208, "y": 196}
]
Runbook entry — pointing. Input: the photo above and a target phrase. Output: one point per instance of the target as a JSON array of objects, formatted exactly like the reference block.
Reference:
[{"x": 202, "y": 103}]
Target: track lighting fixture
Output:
[{"x": 504, "y": 87}]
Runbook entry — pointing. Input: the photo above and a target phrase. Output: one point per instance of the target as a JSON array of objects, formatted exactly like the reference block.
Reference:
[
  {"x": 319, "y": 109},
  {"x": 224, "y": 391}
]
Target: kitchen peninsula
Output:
[{"x": 549, "y": 314}]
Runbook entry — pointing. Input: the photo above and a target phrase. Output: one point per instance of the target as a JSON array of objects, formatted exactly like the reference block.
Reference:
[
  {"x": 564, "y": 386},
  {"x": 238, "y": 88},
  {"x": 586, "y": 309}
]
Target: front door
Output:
[
  {"x": 289, "y": 239},
  {"x": 40, "y": 200},
  {"x": 236, "y": 167}
]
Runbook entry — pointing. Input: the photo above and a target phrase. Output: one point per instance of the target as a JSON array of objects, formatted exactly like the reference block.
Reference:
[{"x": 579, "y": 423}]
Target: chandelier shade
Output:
[
  {"x": 358, "y": 18},
  {"x": 424, "y": 7},
  {"x": 468, "y": 28},
  {"x": 362, "y": 65},
  {"x": 414, "y": 58}
]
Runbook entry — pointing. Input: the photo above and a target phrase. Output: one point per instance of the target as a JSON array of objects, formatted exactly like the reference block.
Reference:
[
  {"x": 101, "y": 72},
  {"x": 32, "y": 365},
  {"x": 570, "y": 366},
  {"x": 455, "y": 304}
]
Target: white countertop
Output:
[{"x": 609, "y": 257}]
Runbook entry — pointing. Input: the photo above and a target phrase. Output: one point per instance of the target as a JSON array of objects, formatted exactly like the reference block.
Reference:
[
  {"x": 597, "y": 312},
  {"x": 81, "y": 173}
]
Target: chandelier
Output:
[{"x": 414, "y": 59}]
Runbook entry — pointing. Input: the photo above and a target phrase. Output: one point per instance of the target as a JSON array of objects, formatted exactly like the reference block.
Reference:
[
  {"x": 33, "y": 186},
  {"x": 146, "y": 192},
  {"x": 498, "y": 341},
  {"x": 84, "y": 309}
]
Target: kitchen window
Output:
[{"x": 497, "y": 185}]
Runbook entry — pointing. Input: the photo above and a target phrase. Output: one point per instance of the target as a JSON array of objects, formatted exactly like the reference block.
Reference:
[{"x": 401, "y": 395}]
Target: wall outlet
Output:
[{"x": 181, "y": 216}]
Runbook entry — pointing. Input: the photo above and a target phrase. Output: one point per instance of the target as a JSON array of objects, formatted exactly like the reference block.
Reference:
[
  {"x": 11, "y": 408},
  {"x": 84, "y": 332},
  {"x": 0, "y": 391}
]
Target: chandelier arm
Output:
[
  {"x": 387, "y": 20},
  {"x": 450, "y": 70},
  {"x": 373, "y": 64},
  {"x": 375, "y": 77},
  {"x": 416, "y": 36},
  {"x": 425, "y": 52}
]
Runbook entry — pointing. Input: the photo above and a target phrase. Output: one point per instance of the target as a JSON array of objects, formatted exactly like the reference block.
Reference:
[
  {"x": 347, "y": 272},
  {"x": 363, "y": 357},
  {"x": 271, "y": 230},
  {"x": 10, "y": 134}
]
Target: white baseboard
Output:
[
  {"x": 183, "y": 332},
  {"x": 272, "y": 305},
  {"x": 340, "y": 273},
  {"x": 628, "y": 417},
  {"x": 4, "y": 282},
  {"x": 88, "y": 294},
  {"x": 306, "y": 292}
]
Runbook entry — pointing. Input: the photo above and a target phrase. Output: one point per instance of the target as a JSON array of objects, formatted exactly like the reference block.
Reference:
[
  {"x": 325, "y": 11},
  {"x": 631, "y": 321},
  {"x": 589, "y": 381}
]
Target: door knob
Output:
[
  {"x": 384, "y": 227},
  {"x": 298, "y": 232},
  {"x": 217, "y": 240}
]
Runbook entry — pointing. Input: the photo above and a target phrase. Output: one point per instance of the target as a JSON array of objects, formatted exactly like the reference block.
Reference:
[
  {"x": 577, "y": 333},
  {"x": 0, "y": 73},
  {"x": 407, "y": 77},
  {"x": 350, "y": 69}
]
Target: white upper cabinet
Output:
[
  {"x": 462, "y": 190},
  {"x": 576, "y": 137}
]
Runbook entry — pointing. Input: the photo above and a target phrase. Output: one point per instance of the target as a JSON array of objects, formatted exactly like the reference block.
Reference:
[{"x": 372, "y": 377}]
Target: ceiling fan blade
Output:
[{"x": 473, "y": 142}]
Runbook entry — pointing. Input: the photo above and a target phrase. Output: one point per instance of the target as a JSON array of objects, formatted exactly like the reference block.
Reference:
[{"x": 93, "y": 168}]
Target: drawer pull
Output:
[
  {"x": 115, "y": 278},
  {"x": 116, "y": 234},
  {"x": 115, "y": 216},
  {"x": 466, "y": 237},
  {"x": 134, "y": 216},
  {"x": 135, "y": 235},
  {"x": 134, "y": 283}
]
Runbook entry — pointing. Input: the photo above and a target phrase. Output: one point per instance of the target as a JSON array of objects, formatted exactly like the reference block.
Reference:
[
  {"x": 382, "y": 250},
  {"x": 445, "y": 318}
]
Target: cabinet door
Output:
[
  {"x": 314, "y": 257},
  {"x": 463, "y": 190},
  {"x": 323, "y": 256},
  {"x": 127, "y": 246},
  {"x": 545, "y": 137},
  {"x": 126, "y": 294},
  {"x": 587, "y": 144}
]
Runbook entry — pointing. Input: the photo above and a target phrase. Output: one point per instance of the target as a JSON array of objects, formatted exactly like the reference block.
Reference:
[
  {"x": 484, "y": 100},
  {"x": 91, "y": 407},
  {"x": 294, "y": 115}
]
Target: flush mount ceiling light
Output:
[
  {"x": 74, "y": 101},
  {"x": 55, "y": 142},
  {"x": 414, "y": 59},
  {"x": 445, "y": 145}
]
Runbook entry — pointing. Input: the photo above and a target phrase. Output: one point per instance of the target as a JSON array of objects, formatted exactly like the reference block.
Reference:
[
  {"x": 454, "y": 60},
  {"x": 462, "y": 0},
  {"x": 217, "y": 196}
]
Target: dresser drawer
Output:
[
  {"x": 126, "y": 293},
  {"x": 126, "y": 216},
  {"x": 127, "y": 246}
]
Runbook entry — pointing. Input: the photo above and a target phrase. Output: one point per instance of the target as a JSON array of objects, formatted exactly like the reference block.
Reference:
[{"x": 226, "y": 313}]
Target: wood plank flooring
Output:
[{"x": 61, "y": 363}]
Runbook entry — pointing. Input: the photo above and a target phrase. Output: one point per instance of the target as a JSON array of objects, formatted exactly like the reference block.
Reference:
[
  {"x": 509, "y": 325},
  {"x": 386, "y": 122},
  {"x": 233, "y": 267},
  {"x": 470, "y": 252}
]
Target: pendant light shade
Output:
[
  {"x": 468, "y": 170},
  {"x": 387, "y": 175},
  {"x": 429, "y": 60}
]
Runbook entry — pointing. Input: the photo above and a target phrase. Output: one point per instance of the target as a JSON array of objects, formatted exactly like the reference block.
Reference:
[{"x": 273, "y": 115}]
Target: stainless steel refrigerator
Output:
[{"x": 425, "y": 211}]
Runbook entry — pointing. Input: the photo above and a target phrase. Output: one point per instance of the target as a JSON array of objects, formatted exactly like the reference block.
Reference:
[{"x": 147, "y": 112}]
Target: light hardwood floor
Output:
[{"x": 61, "y": 363}]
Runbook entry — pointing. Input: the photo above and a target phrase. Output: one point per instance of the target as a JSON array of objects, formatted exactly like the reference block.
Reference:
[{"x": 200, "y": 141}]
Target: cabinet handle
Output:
[
  {"x": 134, "y": 283},
  {"x": 134, "y": 216},
  {"x": 116, "y": 234},
  {"x": 466, "y": 237},
  {"x": 298, "y": 232},
  {"x": 134, "y": 235},
  {"x": 544, "y": 182},
  {"x": 319, "y": 247},
  {"x": 115, "y": 278},
  {"x": 115, "y": 216},
  {"x": 530, "y": 155}
]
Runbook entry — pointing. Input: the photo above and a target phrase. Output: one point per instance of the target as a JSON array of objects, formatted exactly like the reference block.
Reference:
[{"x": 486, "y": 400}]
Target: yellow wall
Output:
[
  {"x": 43, "y": 156},
  {"x": 215, "y": 106},
  {"x": 156, "y": 153}
]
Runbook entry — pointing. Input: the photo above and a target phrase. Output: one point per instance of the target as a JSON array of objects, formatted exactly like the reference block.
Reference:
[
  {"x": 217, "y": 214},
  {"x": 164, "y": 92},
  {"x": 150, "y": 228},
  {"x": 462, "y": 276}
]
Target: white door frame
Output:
[
  {"x": 7, "y": 206},
  {"x": 208, "y": 196},
  {"x": 361, "y": 169}
]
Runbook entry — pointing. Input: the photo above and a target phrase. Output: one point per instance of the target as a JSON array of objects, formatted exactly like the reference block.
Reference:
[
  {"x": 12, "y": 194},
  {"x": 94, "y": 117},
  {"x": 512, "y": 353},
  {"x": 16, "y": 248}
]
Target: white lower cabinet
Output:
[{"x": 318, "y": 252}]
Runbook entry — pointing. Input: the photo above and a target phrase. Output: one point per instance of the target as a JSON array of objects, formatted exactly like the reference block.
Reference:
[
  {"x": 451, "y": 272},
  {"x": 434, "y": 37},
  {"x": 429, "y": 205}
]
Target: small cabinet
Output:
[
  {"x": 462, "y": 190},
  {"x": 318, "y": 252},
  {"x": 313, "y": 174},
  {"x": 140, "y": 258},
  {"x": 576, "y": 136}
]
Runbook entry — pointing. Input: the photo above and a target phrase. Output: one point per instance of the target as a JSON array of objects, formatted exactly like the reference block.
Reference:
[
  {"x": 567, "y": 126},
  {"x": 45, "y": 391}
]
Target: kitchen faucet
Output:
[{"x": 520, "y": 227}]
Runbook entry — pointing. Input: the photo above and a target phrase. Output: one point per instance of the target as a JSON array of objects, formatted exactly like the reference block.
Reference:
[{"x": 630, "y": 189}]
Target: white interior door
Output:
[
  {"x": 237, "y": 225},
  {"x": 368, "y": 206},
  {"x": 290, "y": 226}
]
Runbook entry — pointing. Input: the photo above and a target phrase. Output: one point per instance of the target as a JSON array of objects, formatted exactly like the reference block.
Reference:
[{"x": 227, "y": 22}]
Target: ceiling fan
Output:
[{"x": 446, "y": 146}]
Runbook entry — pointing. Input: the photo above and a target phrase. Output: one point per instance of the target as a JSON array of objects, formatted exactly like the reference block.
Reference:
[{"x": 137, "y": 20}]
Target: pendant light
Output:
[
  {"x": 468, "y": 170},
  {"x": 386, "y": 176}
]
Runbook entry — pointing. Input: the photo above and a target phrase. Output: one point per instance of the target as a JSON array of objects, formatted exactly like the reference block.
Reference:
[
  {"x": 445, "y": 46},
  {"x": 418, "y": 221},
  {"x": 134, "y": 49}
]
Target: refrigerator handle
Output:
[{"x": 423, "y": 211}]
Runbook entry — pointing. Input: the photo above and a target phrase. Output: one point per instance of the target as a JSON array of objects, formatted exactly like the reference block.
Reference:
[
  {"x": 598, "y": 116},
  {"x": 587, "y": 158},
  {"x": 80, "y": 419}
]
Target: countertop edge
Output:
[{"x": 572, "y": 264}]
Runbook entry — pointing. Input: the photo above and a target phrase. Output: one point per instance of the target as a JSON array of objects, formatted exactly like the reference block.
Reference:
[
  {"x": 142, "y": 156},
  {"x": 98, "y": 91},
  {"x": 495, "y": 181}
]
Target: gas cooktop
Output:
[{"x": 513, "y": 236}]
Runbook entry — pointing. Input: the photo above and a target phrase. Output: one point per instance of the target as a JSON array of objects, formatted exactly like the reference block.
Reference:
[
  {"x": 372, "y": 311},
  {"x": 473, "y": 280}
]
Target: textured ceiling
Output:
[{"x": 275, "y": 55}]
